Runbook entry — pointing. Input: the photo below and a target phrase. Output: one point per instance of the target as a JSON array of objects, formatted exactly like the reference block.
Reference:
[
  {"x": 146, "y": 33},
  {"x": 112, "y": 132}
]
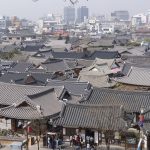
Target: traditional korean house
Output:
[
  {"x": 98, "y": 73},
  {"x": 80, "y": 89},
  {"x": 90, "y": 120},
  {"x": 136, "y": 76},
  {"x": 132, "y": 102},
  {"x": 23, "y": 102},
  {"x": 54, "y": 65},
  {"x": 26, "y": 78},
  {"x": 20, "y": 67}
]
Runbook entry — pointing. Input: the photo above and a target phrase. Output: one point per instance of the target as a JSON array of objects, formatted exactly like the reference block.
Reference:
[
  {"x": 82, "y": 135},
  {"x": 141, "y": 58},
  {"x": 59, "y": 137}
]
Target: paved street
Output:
[{"x": 34, "y": 147}]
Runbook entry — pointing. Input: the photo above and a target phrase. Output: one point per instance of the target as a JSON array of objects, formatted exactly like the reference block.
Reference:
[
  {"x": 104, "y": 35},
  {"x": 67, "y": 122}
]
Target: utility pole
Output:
[
  {"x": 141, "y": 121},
  {"x": 25, "y": 127},
  {"x": 27, "y": 139}
]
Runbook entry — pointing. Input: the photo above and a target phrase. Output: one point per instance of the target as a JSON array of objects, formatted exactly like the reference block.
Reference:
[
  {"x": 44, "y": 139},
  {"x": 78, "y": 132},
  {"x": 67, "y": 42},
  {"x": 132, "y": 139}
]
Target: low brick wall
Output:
[{"x": 9, "y": 140}]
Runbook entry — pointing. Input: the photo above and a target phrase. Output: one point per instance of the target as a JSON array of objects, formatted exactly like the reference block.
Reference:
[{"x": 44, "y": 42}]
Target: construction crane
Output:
[{"x": 71, "y": 1}]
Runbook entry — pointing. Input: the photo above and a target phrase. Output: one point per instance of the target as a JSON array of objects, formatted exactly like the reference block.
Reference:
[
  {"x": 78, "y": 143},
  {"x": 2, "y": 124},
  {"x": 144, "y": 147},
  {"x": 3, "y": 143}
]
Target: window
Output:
[{"x": 70, "y": 131}]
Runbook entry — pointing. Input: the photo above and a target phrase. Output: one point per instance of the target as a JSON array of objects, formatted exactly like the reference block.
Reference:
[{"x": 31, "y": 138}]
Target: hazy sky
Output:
[{"x": 32, "y": 10}]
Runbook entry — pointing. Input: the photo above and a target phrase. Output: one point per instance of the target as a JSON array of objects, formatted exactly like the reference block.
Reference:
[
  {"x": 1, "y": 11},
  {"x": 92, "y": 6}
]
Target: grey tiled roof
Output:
[
  {"x": 20, "y": 34},
  {"x": 91, "y": 116},
  {"x": 31, "y": 48},
  {"x": 88, "y": 55},
  {"x": 48, "y": 98},
  {"x": 8, "y": 48},
  {"x": 26, "y": 78},
  {"x": 74, "y": 87},
  {"x": 141, "y": 61},
  {"x": 20, "y": 112},
  {"x": 36, "y": 70},
  {"x": 131, "y": 101},
  {"x": 84, "y": 63},
  {"x": 73, "y": 55},
  {"x": 6, "y": 64},
  {"x": 11, "y": 93},
  {"x": 101, "y": 43},
  {"x": 35, "y": 60},
  {"x": 126, "y": 68},
  {"x": 43, "y": 54},
  {"x": 55, "y": 66},
  {"x": 120, "y": 49},
  {"x": 21, "y": 67},
  {"x": 136, "y": 76},
  {"x": 137, "y": 51},
  {"x": 104, "y": 55},
  {"x": 72, "y": 64},
  {"x": 102, "y": 66},
  {"x": 96, "y": 80},
  {"x": 132, "y": 51},
  {"x": 97, "y": 73}
]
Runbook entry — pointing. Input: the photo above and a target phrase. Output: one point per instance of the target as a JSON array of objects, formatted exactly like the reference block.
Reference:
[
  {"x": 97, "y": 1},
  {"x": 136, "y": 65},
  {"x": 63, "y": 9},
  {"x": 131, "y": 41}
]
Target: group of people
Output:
[
  {"x": 77, "y": 141},
  {"x": 90, "y": 143},
  {"x": 54, "y": 142}
]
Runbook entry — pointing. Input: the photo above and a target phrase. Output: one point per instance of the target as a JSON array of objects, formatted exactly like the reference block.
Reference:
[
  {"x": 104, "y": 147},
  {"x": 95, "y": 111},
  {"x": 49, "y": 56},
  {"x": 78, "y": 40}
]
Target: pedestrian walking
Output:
[
  {"x": 71, "y": 141},
  {"x": 48, "y": 142},
  {"x": 81, "y": 141}
]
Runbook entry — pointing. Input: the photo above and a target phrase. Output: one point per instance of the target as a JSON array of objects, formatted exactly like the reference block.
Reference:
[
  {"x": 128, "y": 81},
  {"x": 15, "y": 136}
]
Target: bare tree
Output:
[
  {"x": 109, "y": 130},
  {"x": 38, "y": 127}
]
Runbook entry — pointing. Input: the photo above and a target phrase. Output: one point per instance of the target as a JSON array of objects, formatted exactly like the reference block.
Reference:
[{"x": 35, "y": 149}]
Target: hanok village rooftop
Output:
[{"x": 93, "y": 89}]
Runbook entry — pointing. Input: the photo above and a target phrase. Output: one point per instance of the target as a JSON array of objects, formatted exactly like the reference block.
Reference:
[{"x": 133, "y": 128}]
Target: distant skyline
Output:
[{"x": 34, "y": 10}]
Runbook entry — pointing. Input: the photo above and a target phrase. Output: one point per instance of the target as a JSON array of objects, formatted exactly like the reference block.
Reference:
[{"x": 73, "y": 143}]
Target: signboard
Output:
[
  {"x": 131, "y": 141},
  {"x": 64, "y": 131},
  {"x": 96, "y": 137},
  {"x": 82, "y": 133}
]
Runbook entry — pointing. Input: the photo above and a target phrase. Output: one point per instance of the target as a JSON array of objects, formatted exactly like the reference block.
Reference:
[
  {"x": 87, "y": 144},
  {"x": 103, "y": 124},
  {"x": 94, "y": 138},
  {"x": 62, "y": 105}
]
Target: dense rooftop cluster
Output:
[{"x": 75, "y": 81}]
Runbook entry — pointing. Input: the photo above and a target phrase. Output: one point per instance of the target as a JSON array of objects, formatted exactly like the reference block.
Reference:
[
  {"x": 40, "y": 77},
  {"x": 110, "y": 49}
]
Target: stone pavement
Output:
[
  {"x": 67, "y": 147},
  {"x": 34, "y": 147}
]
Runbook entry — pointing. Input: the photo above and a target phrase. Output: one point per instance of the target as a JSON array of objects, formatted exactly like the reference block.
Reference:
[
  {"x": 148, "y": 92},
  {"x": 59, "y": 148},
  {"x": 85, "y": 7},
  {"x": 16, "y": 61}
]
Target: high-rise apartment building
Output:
[
  {"x": 4, "y": 22},
  {"x": 82, "y": 14},
  {"x": 122, "y": 15},
  {"x": 69, "y": 15}
]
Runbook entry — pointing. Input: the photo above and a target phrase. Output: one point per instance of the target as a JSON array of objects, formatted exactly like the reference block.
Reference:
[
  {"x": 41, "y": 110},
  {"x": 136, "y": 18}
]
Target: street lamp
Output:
[
  {"x": 142, "y": 109},
  {"x": 26, "y": 128}
]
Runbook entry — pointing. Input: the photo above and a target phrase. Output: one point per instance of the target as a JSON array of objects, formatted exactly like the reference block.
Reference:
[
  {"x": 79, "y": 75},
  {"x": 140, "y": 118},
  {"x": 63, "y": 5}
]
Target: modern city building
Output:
[
  {"x": 139, "y": 19},
  {"x": 69, "y": 15},
  {"x": 122, "y": 15},
  {"x": 49, "y": 23},
  {"x": 4, "y": 22},
  {"x": 82, "y": 14}
]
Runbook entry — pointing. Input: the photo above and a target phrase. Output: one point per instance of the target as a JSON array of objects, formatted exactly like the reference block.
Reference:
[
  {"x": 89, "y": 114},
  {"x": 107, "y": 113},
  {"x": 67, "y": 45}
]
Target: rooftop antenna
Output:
[{"x": 72, "y": 1}]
